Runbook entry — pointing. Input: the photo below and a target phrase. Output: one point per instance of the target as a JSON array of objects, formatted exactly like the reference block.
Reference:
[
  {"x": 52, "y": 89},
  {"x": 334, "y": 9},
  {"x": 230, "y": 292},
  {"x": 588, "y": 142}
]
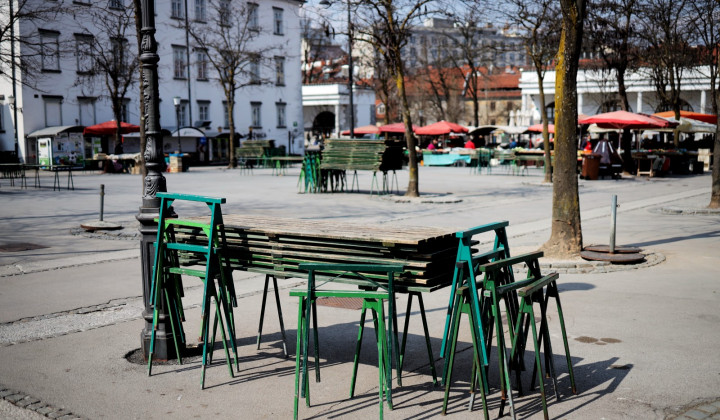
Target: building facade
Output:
[
  {"x": 59, "y": 97},
  {"x": 597, "y": 93}
]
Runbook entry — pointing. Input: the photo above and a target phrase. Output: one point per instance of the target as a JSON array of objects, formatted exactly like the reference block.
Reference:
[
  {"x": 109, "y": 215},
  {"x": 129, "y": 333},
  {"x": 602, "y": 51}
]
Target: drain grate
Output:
[
  {"x": 343, "y": 303},
  {"x": 17, "y": 247}
]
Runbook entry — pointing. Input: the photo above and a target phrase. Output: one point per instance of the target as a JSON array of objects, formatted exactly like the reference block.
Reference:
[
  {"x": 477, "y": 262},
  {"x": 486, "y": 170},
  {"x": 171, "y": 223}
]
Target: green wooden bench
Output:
[{"x": 342, "y": 155}]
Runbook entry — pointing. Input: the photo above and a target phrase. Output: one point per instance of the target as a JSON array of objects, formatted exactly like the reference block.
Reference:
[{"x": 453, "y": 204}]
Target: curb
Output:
[{"x": 27, "y": 402}]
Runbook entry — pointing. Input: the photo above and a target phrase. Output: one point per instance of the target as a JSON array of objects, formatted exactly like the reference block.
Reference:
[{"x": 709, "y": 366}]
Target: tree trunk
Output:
[
  {"x": 546, "y": 135},
  {"x": 413, "y": 189},
  {"x": 231, "y": 137},
  {"x": 715, "y": 194},
  {"x": 566, "y": 236}
]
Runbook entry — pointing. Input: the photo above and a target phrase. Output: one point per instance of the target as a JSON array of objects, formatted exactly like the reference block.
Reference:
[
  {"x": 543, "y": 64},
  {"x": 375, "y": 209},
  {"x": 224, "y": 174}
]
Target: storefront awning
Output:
[{"x": 54, "y": 131}]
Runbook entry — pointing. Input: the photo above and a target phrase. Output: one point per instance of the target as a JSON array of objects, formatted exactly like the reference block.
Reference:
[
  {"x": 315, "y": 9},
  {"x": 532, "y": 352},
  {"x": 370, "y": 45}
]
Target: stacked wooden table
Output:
[{"x": 277, "y": 246}]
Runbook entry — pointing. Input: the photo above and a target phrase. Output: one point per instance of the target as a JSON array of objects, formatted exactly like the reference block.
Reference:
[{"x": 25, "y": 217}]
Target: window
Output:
[
  {"x": 50, "y": 50},
  {"x": 226, "y": 115},
  {"x": 203, "y": 110},
  {"x": 280, "y": 108},
  {"x": 119, "y": 47},
  {"x": 224, "y": 12},
  {"x": 492, "y": 106},
  {"x": 53, "y": 110},
  {"x": 201, "y": 10},
  {"x": 116, "y": 4},
  {"x": 280, "y": 71},
  {"x": 278, "y": 21},
  {"x": 86, "y": 108},
  {"x": 253, "y": 22},
  {"x": 124, "y": 110},
  {"x": 255, "y": 70},
  {"x": 179, "y": 65},
  {"x": 256, "y": 115},
  {"x": 177, "y": 9},
  {"x": 202, "y": 64},
  {"x": 181, "y": 113},
  {"x": 84, "y": 53}
]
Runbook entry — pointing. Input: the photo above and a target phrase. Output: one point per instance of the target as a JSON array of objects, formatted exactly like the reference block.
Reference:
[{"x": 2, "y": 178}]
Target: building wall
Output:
[
  {"x": 594, "y": 89},
  {"x": 334, "y": 98},
  {"x": 61, "y": 84}
]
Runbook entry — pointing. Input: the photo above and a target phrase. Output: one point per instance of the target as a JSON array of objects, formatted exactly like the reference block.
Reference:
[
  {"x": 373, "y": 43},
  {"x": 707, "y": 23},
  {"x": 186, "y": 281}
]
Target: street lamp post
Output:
[
  {"x": 11, "y": 102},
  {"x": 154, "y": 182},
  {"x": 177, "y": 101},
  {"x": 327, "y": 3}
]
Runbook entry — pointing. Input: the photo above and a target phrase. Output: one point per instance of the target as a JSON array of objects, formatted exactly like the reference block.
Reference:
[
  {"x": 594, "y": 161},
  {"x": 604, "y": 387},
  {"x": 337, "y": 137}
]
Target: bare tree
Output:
[
  {"x": 539, "y": 23},
  {"x": 315, "y": 47},
  {"x": 706, "y": 30},
  {"x": 21, "y": 52},
  {"x": 227, "y": 42},
  {"x": 611, "y": 34},
  {"x": 105, "y": 56},
  {"x": 387, "y": 27},
  {"x": 566, "y": 236},
  {"x": 439, "y": 83},
  {"x": 664, "y": 28},
  {"x": 472, "y": 50}
]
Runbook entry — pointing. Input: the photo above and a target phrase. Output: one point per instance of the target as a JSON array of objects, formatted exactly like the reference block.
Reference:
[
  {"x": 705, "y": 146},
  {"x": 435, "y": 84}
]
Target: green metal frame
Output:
[
  {"x": 171, "y": 262},
  {"x": 500, "y": 249},
  {"x": 388, "y": 350}
]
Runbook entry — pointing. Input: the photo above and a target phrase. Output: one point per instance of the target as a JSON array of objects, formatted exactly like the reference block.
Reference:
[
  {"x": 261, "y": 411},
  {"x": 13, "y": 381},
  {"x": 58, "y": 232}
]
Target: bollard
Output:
[
  {"x": 613, "y": 219},
  {"x": 102, "y": 200}
]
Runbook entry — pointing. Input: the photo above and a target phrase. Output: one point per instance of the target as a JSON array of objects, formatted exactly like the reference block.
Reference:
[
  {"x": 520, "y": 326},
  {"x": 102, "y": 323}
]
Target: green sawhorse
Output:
[
  {"x": 463, "y": 305},
  {"x": 500, "y": 249},
  {"x": 373, "y": 300},
  {"x": 535, "y": 288},
  {"x": 268, "y": 277},
  {"x": 193, "y": 248}
]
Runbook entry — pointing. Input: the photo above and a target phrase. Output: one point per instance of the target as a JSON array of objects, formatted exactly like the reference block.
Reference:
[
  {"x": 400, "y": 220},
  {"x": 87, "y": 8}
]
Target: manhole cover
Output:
[
  {"x": 17, "y": 247},
  {"x": 613, "y": 258},
  {"x": 618, "y": 249},
  {"x": 343, "y": 303}
]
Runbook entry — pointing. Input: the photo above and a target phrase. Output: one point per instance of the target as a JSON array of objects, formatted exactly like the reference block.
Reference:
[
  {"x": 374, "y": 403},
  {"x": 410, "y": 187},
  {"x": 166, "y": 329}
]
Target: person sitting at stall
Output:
[
  {"x": 470, "y": 144},
  {"x": 434, "y": 145}
]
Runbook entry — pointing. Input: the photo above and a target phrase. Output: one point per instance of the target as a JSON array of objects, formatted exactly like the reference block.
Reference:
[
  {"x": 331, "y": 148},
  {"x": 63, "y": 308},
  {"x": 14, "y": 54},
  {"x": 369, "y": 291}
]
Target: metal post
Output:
[
  {"x": 154, "y": 183},
  {"x": 613, "y": 219},
  {"x": 350, "y": 73},
  {"x": 14, "y": 82},
  {"x": 102, "y": 200}
]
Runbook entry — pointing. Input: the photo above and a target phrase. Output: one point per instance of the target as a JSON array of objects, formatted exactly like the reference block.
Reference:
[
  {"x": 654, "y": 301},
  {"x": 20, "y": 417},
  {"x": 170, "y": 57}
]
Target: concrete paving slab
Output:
[{"x": 642, "y": 339}]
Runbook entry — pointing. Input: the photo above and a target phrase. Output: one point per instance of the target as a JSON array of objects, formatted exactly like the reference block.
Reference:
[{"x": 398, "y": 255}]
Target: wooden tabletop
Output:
[{"x": 336, "y": 230}]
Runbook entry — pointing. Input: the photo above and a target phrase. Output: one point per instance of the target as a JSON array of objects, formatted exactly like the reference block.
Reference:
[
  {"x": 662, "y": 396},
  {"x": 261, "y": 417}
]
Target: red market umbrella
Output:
[
  {"x": 624, "y": 119},
  {"x": 538, "y": 128},
  {"x": 440, "y": 128},
  {"x": 366, "y": 129},
  {"x": 395, "y": 128},
  {"x": 708, "y": 118},
  {"x": 108, "y": 128}
]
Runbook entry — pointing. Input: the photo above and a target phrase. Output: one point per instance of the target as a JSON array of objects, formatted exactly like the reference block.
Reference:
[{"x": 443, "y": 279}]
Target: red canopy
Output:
[
  {"x": 108, "y": 128},
  {"x": 708, "y": 118},
  {"x": 395, "y": 128},
  {"x": 366, "y": 129},
  {"x": 538, "y": 128},
  {"x": 439, "y": 128},
  {"x": 624, "y": 119}
]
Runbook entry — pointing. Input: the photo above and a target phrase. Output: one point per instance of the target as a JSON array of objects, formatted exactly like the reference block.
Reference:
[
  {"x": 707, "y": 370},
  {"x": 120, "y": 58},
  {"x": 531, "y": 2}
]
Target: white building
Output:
[
  {"x": 326, "y": 108},
  {"x": 597, "y": 93},
  {"x": 274, "y": 111}
]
